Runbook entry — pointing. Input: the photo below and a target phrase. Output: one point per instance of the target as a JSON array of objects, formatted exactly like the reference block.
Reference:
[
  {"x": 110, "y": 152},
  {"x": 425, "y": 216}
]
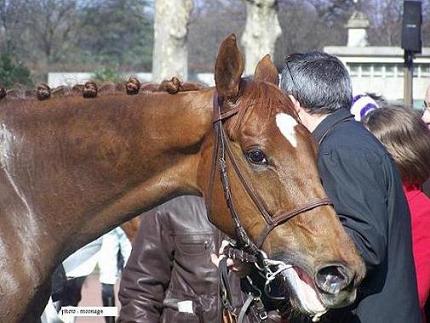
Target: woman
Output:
[{"x": 407, "y": 138}]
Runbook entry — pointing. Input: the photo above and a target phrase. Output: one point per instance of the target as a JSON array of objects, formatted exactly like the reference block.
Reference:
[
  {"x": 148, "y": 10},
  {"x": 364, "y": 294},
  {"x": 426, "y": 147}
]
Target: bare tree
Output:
[
  {"x": 170, "y": 35},
  {"x": 385, "y": 21},
  {"x": 116, "y": 33},
  {"x": 51, "y": 24},
  {"x": 311, "y": 25},
  {"x": 426, "y": 23},
  {"x": 78, "y": 35},
  {"x": 210, "y": 22},
  {"x": 12, "y": 20}
]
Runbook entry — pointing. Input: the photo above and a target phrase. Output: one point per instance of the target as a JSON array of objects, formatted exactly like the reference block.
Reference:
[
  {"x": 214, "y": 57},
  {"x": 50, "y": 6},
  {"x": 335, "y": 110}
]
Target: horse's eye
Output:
[{"x": 257, "y": 157}]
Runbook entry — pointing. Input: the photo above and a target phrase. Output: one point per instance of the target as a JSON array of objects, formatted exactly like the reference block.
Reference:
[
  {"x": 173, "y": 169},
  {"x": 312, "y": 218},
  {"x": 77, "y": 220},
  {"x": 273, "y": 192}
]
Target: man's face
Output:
[{"x": 426, "y": 114}]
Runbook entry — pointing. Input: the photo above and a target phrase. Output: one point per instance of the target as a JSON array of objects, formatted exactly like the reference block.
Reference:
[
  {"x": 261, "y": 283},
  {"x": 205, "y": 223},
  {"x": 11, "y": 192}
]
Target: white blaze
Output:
[{"x": 286, "y": 124}]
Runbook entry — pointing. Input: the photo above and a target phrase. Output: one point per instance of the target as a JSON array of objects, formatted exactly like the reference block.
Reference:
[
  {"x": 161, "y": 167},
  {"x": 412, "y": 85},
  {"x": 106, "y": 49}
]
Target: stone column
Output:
[
  {"x": 261, "y": 31},
  {"x": 170, "y": 39},
  {"x": 357, "y": 29}
]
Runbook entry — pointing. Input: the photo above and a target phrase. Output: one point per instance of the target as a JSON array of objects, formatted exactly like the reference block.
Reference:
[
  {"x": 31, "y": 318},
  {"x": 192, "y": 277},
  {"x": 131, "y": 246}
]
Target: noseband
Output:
[{"x": 222, "y": 151}]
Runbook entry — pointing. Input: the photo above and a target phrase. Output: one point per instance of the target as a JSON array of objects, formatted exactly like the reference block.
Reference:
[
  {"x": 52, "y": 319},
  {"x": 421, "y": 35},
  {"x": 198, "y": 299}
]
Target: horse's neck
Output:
[{"x": 91, "y": 164}]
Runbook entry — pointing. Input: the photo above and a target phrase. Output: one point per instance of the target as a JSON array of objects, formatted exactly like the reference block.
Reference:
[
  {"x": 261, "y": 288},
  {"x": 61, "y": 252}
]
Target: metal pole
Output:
[{"x": 408, "y": 74}]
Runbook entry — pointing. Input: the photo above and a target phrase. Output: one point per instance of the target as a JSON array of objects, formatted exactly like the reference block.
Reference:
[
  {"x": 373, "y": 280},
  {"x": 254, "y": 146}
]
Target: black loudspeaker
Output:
[{"x": 411, "y": 28}]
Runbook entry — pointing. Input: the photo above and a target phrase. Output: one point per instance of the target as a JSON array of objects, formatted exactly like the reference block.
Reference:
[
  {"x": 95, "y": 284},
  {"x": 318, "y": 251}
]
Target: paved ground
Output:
[{"x": 91, "y": 296}]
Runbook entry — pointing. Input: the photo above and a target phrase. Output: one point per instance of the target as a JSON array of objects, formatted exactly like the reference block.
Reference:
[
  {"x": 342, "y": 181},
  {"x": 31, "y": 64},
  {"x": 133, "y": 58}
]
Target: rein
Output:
[{"x": 248, "y": 250}]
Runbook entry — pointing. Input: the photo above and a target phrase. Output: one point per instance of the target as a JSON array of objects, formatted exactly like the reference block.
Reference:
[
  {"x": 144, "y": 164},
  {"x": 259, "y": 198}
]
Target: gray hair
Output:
[{"x": 319, "y": 81}]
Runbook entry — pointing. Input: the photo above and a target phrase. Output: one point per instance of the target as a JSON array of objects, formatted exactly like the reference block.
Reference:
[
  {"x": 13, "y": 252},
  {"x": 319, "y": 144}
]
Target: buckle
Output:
[
  {"x": 263, "y": 316},
  {"x": 259, "y": 308},
  {"x": 225, "y": 302}
]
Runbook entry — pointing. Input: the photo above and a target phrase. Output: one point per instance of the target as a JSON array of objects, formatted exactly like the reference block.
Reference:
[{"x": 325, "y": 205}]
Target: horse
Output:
[{"x": 73, "y": 168}]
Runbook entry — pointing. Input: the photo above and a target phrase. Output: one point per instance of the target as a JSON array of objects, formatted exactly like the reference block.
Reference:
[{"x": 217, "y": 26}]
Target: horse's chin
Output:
[{"x": 303, "y": 293}]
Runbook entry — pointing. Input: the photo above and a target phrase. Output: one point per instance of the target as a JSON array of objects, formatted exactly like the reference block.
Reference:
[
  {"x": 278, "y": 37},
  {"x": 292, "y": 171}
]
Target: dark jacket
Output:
[
  {"x": 170, "y": 263},
  {"x": 365, "y": 188}
]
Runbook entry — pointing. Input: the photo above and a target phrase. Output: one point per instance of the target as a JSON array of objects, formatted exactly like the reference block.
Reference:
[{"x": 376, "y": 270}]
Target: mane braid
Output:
[{"x": 90, "y": 89}]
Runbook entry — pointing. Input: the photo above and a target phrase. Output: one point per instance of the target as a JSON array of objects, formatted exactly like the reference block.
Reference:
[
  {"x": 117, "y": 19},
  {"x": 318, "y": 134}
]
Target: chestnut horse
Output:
[{"x": 73, "y": 168}]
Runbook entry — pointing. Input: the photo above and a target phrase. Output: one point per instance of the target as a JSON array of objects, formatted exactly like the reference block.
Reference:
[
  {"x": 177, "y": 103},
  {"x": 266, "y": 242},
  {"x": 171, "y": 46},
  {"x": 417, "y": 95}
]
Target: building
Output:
[{"x": 380, "y": 69}]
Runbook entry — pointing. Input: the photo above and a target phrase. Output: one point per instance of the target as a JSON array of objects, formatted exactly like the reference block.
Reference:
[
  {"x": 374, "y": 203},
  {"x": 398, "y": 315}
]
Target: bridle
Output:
[
  {"x": 222, "y": 151},
  {"x": 244, "y": 248}
]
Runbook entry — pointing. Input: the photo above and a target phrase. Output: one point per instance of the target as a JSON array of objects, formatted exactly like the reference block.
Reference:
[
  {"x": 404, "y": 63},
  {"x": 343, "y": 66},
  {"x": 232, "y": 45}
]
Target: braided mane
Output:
[{"x": 91, "y": 90}]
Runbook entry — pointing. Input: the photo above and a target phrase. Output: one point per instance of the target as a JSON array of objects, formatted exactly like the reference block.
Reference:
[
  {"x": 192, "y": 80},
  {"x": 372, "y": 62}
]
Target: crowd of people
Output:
[{"x": 374, "y": 163}]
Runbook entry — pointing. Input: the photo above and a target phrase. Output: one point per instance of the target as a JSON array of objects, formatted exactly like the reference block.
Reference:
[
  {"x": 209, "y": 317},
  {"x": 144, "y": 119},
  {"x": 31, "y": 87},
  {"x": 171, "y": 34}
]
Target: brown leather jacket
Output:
[{"x": 170, "y": 263}]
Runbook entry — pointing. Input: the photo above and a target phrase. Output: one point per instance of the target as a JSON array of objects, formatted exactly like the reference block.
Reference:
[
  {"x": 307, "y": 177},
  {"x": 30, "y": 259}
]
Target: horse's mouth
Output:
[{"x": 303, "y": 292}]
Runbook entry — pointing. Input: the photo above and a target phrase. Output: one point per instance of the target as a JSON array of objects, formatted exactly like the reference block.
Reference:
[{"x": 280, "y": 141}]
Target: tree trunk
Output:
[
  {"x": 170, "y": 36},
  {"x": 261, "y": 31}
]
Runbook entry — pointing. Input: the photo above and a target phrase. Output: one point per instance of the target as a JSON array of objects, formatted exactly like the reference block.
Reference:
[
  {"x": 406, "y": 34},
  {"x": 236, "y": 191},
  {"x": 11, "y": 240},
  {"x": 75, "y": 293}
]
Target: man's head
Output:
[{"x": 318, "y": 81}]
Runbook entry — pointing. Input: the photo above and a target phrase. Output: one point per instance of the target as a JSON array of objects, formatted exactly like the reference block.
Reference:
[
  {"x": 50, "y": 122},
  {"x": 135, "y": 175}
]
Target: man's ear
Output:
[{"x": 296, "y": 103}]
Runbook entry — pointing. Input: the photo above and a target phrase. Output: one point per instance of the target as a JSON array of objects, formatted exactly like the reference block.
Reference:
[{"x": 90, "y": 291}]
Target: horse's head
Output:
[{"x": 280, "y": 201}]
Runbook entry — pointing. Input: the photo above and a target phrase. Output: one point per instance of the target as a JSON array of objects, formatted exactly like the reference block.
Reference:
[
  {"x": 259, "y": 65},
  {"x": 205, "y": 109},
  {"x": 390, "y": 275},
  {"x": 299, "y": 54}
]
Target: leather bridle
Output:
[
  {"x": 244, "y": 249},
  {"x": 221, "y": 152}
]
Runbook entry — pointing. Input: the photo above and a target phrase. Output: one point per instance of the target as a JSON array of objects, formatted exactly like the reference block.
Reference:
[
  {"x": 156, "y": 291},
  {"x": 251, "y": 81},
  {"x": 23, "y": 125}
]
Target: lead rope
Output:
[{"x": 253, "y": 302}]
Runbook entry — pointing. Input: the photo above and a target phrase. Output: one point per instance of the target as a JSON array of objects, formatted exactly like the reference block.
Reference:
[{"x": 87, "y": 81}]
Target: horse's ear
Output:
[
  {"x": 266, "y": 71},
  {"x": 228, "y": 68}
]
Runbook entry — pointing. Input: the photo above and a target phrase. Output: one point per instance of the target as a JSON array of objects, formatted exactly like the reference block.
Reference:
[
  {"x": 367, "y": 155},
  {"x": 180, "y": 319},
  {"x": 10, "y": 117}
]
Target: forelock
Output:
[{"x": 264, "y": 99}]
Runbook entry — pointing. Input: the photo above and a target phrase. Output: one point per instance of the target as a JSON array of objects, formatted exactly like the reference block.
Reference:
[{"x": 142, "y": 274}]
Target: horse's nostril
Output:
[{"x": 332, "y": 279}]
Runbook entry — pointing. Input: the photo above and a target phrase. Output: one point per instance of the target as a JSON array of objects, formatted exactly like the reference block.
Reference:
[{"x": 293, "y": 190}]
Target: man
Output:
[
  {"x": 364, "y": 186},
  {"x": 169, "y": 276}
]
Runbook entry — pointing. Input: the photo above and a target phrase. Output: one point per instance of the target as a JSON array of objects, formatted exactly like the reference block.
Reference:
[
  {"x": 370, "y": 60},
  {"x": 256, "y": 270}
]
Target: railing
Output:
[{"x": 386, "y": 70}]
